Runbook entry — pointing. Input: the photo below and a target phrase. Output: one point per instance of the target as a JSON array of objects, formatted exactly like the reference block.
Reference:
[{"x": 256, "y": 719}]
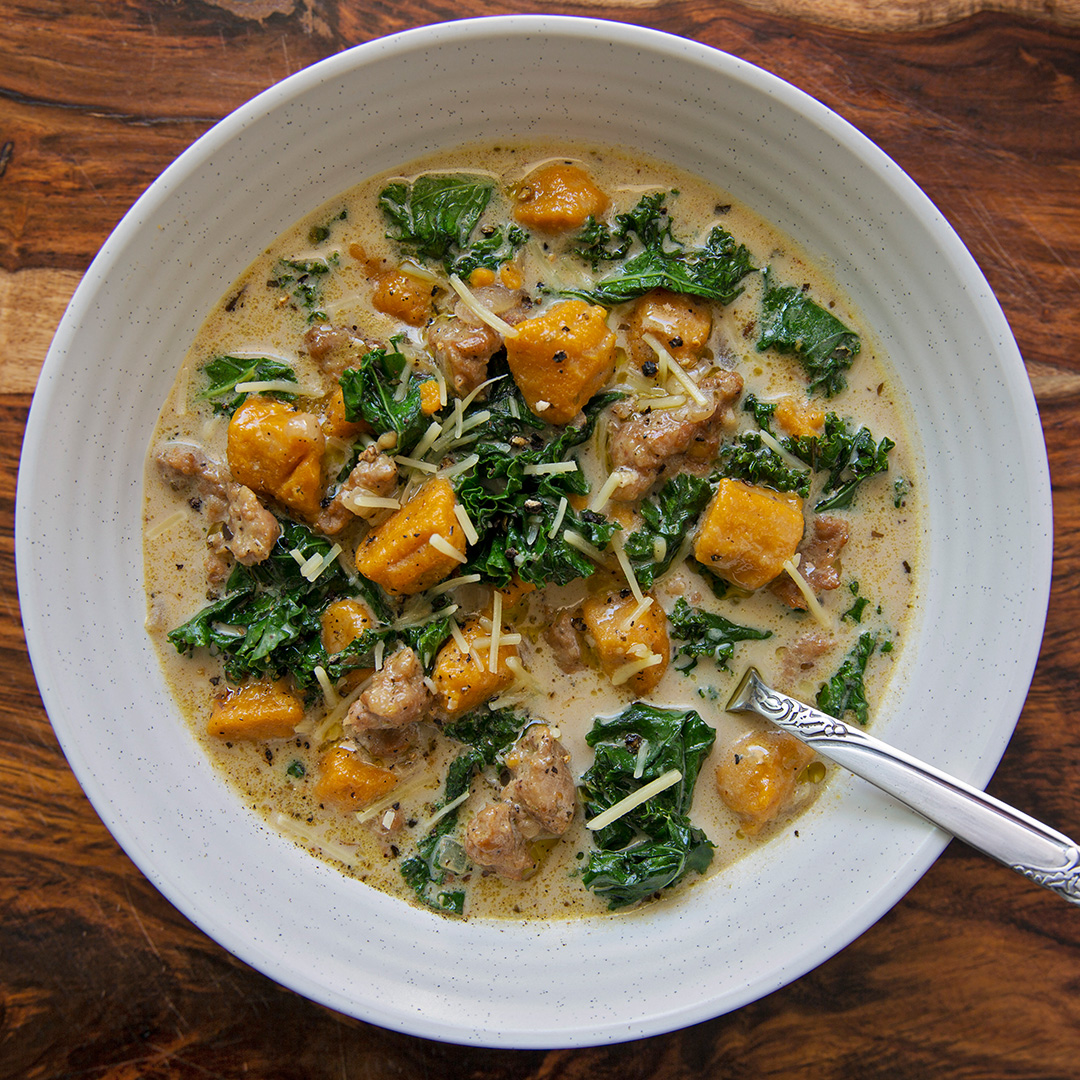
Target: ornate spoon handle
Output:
[{"x": 1040, "y": 853}]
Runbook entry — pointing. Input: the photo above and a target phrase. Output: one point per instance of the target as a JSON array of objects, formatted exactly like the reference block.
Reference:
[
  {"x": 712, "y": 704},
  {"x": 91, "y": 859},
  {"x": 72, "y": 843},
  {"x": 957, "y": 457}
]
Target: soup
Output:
[{"x": 476, "y": 494}]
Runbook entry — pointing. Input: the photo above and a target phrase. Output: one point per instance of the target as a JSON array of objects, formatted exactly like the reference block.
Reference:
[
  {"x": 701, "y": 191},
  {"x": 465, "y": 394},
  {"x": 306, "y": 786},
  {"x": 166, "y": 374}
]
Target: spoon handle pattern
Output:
[{"x": 1029, "y": 847}]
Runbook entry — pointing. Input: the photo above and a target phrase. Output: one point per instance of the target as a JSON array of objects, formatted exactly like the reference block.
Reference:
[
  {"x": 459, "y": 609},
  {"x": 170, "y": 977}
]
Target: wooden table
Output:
[{"x": 974, "y": 974}]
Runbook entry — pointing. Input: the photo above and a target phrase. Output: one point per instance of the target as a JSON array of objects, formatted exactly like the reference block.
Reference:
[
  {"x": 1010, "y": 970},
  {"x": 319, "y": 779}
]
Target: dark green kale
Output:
[
  {"x": 362, "y": 651},
  {"x": 712, "y": 271},
  {"x": 846, "y": 691},
  {"x": 224, "y": 372},
  {"x": 304, "y": 280},
  {"x": 792, "y": 323},
  {"x": 901, "y": 490},
  {"x": 319, "y": 234},
  {"x": 370, "y": 393},
  {"x": 848, "y": 455},
  {"x": 654, "y": 845},
  {"x": 855, "y": 612},
  {"x": 488, "y": 734},
  {"x": 750, "y": 459},
  {"x": 433, "y": 216},
  {"x": 490, "y": 252},
  {"x": 669, "y": 517},
  {"x": 515, "y": 511},
  {"x": 648, "y": 222},
  {"x": 705, "y": 634},
  {"x": 268, "y": 620}
]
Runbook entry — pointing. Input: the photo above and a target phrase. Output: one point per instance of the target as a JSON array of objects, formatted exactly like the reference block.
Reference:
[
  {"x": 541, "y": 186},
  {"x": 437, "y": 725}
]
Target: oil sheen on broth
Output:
[{"x": 403, "y": 346}]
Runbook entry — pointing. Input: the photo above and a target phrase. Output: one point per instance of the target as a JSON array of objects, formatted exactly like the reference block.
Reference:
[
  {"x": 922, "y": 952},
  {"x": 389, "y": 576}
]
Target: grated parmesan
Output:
[
  {"x": 624, "y": 806},
  {"x": 812, "y": 602},
  {"x": 442, "y": 545}
]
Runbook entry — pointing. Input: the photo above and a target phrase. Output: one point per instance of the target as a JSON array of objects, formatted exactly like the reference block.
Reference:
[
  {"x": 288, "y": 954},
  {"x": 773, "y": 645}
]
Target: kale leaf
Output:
[
  {"x": 436, "y": 213},
  {"x": 792, "y": 323},
  {"x": 487, "y": 733},
  {"x": 669, "y": 516},
  {"x": 713, "y": 271},
  {"x": 224, "y": 372},
  {"x": 370, "y": 393},
  {"x": 515, "y": 510},
  {"x": 490, "y": 252},
  {"x": 846, "y": 690},
  {"x": 268, "y": 620},
  {"x": 752, "y": 460},
  {"x": 848, "y": 455},
  {"x": 319, "y": 234},
  {"x": 707, "y": 634},
  {"x": 654, "y": 845},
  {"x": 304, "y": 279}
]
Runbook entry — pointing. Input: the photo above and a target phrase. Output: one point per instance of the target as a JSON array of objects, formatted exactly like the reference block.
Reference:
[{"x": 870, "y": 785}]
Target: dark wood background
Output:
[{"x": 974, "y": 974}]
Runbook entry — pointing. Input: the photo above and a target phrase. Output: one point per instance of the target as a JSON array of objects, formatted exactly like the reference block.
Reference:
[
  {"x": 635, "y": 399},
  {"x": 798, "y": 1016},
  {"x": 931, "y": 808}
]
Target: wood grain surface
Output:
[{"x": 975, "y": 974}]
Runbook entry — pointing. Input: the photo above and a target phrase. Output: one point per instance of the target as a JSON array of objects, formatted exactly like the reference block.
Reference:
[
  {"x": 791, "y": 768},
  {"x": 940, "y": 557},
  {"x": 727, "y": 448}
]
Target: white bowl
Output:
[{"x": 955, "y": 698}]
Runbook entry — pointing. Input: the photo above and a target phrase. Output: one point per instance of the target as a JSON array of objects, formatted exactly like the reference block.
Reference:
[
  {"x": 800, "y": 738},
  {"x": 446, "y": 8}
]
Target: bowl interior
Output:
[{"x": 954, "y": 701}]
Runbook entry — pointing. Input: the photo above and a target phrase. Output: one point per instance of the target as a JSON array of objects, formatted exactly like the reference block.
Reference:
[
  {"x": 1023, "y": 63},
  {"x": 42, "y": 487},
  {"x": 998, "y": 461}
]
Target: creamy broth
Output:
[{"x": 270, "y": 311}]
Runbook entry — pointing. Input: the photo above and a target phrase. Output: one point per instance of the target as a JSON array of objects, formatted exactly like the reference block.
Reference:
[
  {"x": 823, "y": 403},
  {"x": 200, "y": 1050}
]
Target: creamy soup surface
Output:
[{"x": 519, "y": 442}]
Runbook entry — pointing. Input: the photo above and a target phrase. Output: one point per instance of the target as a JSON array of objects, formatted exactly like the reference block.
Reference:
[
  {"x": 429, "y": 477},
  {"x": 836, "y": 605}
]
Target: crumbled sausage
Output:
[
  {"x": 249, "y": 529},
  {"x": 565, "y": 643},
  {"x": 375, "y": 473},
  {"x": 646, "y": 446},
  {"x": 820, "y": 562},
  {"x": 397, "y": 696}
]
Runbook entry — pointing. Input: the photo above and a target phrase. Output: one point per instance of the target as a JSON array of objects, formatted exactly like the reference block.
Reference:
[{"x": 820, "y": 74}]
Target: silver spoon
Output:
[{"x": 1038, "y": 852}]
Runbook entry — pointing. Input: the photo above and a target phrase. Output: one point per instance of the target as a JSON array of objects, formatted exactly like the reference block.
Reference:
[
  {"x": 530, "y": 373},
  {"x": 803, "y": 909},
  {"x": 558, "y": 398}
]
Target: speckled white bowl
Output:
[{"x": 962, "y": 681}]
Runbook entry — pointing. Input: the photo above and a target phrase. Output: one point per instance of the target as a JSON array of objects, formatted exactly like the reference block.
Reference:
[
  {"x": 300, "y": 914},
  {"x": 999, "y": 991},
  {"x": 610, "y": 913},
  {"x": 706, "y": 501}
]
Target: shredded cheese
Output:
[
  {"x": 496, "y": 632},
  {"x": 165, "y": 524},
  {"x": 484, "y": 314},
  {"x": 310, "y": 836},
  {"x": 317, "y": 564},
  {"x": 550, "y": 468},
  {"x": 576, "y": 540},
  {"x": 559, "y": 515},
  {"x": 416, "y": 463},
  {"x": 441, "y": 544},
  {"x": 435, "y": 818},
  {"x": 330, "y": 695},
  {"x": 452, "y": 583},
  {"x": 812, "y": 602},
  {"x": 628, "y": 571},
  {"x": 774, "y": 444},
  {"x": 676, "y": 370},
  {"x": 424, "y": 445},
  {"x": 466, "y": 523},
  {"x": 359, "y": 500},
  {"x": 627, "y": 671},
  {"x": 462, "y": 466},
  {"x": 639, "y": 761},
  {"x": 521, "y": 673},
  {"x": 459, "y": 637},
  {"x": 624, "y": 806},
  {"x": 607, "y": 489}
]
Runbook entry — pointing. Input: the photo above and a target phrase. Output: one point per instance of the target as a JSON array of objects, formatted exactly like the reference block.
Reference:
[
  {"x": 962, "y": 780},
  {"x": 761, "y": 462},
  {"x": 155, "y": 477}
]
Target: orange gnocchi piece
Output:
[
  {"x": 747, "y": 533},
  {"x": 633, "y": 651},
  {"x": 463, "y": 680},
  {"x": 418, "y": 545},
  {"x": 256, "y": 711},
  {"x": 277, "y": 450},
  {"x": 561, "y": 358},
  {"x": 349, "y": 782},
  {"x": 756, "y": 777},
  {"x": 558, "y": 197}
]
